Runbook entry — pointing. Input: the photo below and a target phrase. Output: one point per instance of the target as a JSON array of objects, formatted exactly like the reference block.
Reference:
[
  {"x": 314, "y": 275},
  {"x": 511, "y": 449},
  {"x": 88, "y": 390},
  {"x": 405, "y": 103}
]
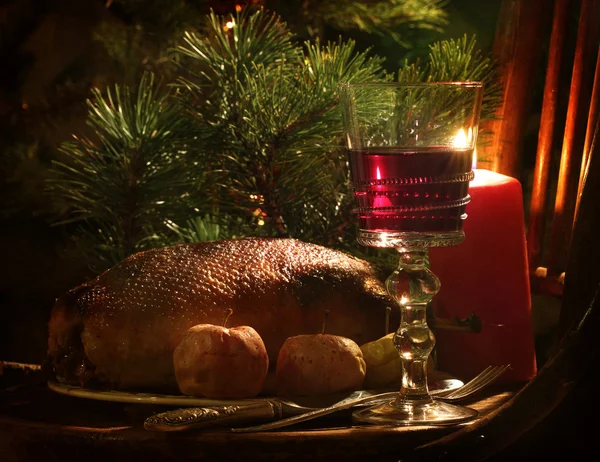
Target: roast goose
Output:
[{"x": 119, "y": 330}]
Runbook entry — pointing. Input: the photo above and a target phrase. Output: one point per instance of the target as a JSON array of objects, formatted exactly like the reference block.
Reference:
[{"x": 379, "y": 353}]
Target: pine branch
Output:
[
  {"x": 248, "y": 141},
  {"x": 232, "y": 44},
  {"x": 458, "y": 61},
  {"x": 135, "y": 173},
  {"x": 276, "y": 123}
]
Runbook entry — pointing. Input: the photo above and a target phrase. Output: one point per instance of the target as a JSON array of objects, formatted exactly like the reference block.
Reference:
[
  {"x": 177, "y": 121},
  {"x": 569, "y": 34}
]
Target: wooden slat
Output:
[
  {"x": 516, "y": 48},
  {"x": 583, "y": 272},
  {"x": 539, "y": 195},
  {"x": 593, "y": 117},
  {"x": 572, "y": 149}
]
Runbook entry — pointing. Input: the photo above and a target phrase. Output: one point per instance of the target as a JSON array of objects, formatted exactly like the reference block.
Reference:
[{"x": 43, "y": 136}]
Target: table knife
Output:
[{"x": 270, "y": 409}]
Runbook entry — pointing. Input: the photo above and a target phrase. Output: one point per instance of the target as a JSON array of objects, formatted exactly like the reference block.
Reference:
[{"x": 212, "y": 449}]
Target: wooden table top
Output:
[{"x": 38, "y": 424}]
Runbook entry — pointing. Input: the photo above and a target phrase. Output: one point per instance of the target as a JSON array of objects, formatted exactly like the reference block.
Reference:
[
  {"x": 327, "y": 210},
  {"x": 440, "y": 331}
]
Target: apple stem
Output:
[
  {"x": 227, "y": 315},
  {"x": 324, "y": 327},
  {"x": 388, "y": 310}
]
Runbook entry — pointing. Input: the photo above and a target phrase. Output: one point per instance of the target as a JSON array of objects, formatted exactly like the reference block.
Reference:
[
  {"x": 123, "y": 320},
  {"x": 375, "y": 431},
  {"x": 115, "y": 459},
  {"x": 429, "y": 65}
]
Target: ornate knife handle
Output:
[{"x": 214, "y": 416}]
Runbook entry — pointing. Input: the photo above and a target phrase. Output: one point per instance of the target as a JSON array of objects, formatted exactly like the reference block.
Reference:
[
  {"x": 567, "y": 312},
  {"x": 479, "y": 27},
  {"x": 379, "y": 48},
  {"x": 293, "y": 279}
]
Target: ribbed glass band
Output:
[
  {"x": 413, "y": 208},
  {"x": 453, "y": 178}
]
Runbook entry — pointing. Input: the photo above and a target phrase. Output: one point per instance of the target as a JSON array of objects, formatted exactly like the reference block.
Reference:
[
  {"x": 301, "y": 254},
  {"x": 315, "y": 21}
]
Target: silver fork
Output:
[
  {"x": 480, "y": 381},
  {"x": 483, "y": 379}
]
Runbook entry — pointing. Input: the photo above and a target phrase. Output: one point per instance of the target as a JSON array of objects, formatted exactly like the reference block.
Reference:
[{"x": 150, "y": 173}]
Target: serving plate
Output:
[{"x": 118, "y": 396}]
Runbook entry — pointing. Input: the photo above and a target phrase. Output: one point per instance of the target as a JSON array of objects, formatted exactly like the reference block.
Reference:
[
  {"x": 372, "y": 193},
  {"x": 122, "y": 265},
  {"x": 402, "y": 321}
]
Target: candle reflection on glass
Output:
[
  {"x": 381, "y": 199},
  {"x": 411, "y": 188},
  {"x": 461, "y": 139}
]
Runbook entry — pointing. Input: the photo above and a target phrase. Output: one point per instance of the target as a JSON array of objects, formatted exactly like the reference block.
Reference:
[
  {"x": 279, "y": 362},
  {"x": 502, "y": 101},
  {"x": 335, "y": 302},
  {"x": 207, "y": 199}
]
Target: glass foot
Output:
[{"x": 414, "y": 413}]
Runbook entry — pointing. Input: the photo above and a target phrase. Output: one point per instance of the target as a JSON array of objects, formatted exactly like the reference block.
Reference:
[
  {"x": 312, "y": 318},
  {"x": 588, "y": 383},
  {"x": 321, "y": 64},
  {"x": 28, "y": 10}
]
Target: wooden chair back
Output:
[
  {"x": 522, "y": 31},
  {"x": 548, "y": 247},
  {"x": 561, "y": 401}
]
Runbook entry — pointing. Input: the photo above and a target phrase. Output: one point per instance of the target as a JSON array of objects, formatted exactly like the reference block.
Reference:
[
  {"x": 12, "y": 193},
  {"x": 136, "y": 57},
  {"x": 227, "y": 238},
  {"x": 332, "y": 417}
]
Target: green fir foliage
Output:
[
  {"x": 246, "y": 141},
  {"x": 133, "y": 175},
  {"x": 457, "y": 60}
]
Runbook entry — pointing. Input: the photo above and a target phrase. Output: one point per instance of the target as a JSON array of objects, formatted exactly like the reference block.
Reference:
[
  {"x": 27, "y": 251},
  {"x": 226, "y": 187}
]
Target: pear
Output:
[
  {"x": 385, "y": 375},
  {"x": 379, "y": 352},
  {"x": 384, "y": 366}
]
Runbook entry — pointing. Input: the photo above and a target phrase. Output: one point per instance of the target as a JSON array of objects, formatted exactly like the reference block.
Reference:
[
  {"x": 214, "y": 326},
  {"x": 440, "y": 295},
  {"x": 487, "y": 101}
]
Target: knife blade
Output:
[{"x": 272, "y": 409}]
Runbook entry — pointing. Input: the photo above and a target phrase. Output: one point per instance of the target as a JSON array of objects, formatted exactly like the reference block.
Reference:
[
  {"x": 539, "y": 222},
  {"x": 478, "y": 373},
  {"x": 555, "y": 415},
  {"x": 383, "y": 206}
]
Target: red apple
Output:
[
  {"x": 319, "y": 364},
  {"x": 217, "y": 362}
]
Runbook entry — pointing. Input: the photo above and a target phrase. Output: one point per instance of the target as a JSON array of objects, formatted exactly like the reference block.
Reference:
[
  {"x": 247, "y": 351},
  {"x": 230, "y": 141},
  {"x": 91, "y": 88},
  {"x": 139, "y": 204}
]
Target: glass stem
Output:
[{"x": 413, "y": 285}]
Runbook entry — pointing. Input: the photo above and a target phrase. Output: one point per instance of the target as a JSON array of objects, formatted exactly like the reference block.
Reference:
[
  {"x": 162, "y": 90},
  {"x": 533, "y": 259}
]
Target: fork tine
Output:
[
  {"x": 482, "y": 382},
  {"x": 479, "y": 382},
  {"x": 472, "y": 383},
  {"x": 468, "y": 385}
]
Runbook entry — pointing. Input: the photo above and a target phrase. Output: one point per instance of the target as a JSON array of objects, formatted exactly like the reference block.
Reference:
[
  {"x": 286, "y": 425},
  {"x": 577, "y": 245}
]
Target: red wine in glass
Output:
[{"x": 411, "y": 189}]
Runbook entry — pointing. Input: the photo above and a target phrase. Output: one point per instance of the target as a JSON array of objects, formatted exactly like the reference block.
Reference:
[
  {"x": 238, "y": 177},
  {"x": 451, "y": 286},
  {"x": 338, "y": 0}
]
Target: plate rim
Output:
[{"x": 133, "y": 397}]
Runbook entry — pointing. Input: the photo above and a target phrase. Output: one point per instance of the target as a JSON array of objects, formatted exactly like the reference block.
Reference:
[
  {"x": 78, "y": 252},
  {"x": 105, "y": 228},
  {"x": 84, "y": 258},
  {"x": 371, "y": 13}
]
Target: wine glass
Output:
[{"x": 410, "y": 149}]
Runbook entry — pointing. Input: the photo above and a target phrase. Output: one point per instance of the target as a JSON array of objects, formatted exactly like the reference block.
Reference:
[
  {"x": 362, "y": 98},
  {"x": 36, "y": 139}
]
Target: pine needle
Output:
[{"x": 246, "y": 141}]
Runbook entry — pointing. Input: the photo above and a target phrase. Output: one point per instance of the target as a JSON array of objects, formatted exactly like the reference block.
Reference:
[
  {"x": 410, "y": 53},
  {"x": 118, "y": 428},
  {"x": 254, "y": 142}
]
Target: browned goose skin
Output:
[{"x": 120, "y": 329}]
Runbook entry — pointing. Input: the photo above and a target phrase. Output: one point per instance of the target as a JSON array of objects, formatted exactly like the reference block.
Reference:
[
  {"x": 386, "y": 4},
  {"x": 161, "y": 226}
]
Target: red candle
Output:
[{"x": 487, "y": 275}]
